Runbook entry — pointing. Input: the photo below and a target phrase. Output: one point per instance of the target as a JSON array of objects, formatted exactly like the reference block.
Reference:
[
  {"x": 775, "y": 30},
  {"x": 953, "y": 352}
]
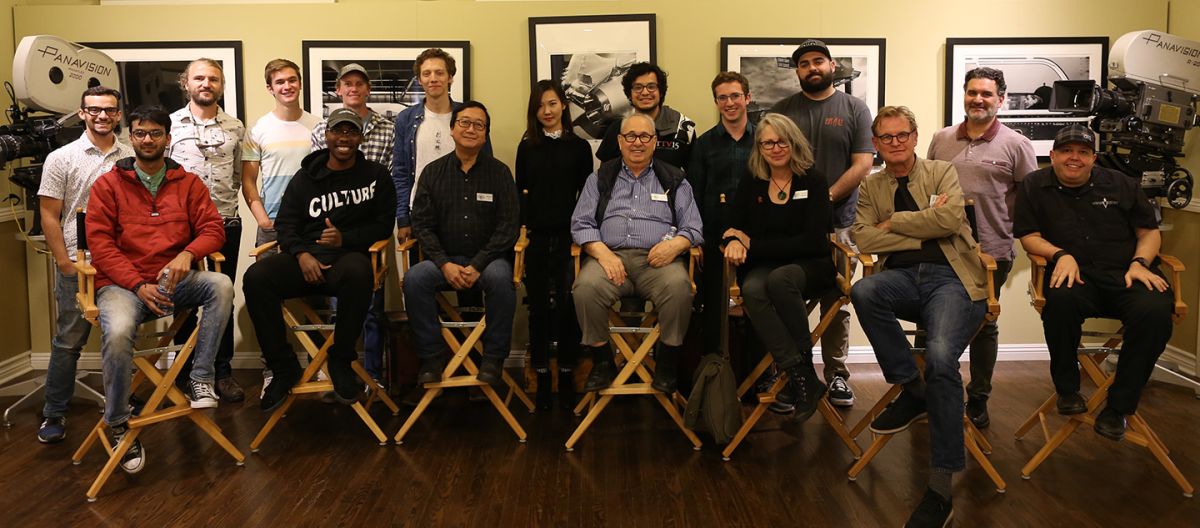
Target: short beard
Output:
[
  {"x": 196, "y": 99},
  {"x": 143, "y": 157},
  {"x": 825, "y": 82}
]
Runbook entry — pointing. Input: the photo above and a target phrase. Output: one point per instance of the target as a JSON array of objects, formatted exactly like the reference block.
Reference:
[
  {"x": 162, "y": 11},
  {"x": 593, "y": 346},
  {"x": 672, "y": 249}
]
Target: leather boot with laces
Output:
[{"x": 804, "y": 390}]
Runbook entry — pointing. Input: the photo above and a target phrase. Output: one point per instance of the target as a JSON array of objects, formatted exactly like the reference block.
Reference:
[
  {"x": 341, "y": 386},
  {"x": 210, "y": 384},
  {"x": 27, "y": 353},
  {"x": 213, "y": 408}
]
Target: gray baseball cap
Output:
[
  {"x": 344, "y": 115},
  {"x": 351, "y": 68},
  {"x": 1075, "y": 133}
]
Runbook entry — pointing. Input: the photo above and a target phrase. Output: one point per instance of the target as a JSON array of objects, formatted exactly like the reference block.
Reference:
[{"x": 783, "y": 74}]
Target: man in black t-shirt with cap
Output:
[{"x": 1100, "y": 237}]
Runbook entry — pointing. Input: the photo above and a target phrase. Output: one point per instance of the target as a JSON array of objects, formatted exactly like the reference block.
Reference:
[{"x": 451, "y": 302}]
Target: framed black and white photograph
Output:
[
  {"x": 767, "y": 65},
  {"x": 1030, "y": 66},
  {"x": 150, "y": 72},
  {"x": 389, "y": 65},
  {"x": 588, "y": 55}
]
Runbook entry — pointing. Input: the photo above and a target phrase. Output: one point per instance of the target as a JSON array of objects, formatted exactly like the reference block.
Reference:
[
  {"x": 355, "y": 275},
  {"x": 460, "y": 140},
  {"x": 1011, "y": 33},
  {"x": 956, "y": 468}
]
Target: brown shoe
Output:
[{"x": 229, "y": 390}]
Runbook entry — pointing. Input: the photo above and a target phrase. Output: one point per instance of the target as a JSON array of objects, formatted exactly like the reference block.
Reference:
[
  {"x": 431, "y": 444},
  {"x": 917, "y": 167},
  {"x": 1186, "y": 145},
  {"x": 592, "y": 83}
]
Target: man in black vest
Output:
[{"x": 635, "y": 219}]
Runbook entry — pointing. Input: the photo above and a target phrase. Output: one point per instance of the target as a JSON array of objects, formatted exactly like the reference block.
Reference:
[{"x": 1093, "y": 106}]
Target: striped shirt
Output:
[
  {"x": 212, "y": 150},
  {"x": 379, "y": 138},
  {"x": 278, "y": 146},
  {"x": 637, "y": 216},
  {"x": 68, "y": 175}
]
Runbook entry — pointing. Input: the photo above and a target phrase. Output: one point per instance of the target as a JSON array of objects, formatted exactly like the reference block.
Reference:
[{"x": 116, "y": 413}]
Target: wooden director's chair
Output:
[
  {"x": 1090, "y": 358},
  {"x": 311, "y": 320},
  {"x": 976, "y": 444},
  {"x": 144, "y": 360},
  {"x": 471, "y": 332},
  {"x": 634, "y": 344},
  {"x": 841, "y": 256}
]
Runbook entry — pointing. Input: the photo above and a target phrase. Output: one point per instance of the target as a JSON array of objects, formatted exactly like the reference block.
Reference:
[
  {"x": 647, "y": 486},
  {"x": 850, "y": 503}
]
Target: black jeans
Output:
[
  {"x": 231, "y": 250},
  {"x": 986, "y": 344},
  {"x": 1146, "y": 315},
  {"x": 775, "y": 298},
  {"x": 550, "y": 273},
  {"x": 277, "y": 278}
]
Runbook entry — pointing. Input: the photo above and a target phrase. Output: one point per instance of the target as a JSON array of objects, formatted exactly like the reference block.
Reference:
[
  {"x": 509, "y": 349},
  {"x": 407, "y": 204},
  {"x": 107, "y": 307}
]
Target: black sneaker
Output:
[
  {"x": 804, "y": 390},
  {"x": 346, "y": 385},
  {"x": 934, "y": 511},
  {"x": 277, "y": 389},
  {"x": 135, "y": 458},
  {"x": 53, "y": 430},
  {"x": 431, "y": 370},
  {"x": 978, "y": 413},
  {"x": 840, "y": 393},
  {"x": 201, "y": 394},
  {"x": 136, "y": 405},
  {"x": 490, "y": 371},
  {"x": 1069, "y": 404},
  {"x": 899, "y": 414},
  {"x": 1110, "y": 424}
]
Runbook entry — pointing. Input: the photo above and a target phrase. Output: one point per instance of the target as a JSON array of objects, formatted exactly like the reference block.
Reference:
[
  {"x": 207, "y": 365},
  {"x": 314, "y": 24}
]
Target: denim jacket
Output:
[{"x": 404, "y": 156}]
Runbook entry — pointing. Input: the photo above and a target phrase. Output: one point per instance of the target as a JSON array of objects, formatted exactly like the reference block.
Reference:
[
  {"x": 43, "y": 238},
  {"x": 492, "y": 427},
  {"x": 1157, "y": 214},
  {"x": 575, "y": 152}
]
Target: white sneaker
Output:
[{"x": 201, "y": 394}]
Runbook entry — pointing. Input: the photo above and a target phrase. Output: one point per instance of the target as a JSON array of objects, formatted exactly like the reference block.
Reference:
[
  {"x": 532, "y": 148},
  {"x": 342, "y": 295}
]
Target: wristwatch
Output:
[
  {"x": 1142, "y": 261},
  {"x": 1057, "y": 255}
]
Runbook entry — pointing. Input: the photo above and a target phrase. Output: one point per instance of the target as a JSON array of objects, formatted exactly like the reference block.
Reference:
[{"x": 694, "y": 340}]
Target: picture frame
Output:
[
  {"x": 588, "y": 55},
  {"x": 767, "y": 64},
  {"x": 150, "y": 71},
  {"x": 1030, "y": 65},
  {"x": 389, "y": 63}
]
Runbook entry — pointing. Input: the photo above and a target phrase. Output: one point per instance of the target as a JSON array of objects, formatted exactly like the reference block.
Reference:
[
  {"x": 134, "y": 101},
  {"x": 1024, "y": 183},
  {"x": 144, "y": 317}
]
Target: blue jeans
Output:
[
  {"x": 121, "y": 312},
  {"x": 70, "y": 334},
  {"x": 422, "y": 282},
  {"x": 933, "y": 295}
]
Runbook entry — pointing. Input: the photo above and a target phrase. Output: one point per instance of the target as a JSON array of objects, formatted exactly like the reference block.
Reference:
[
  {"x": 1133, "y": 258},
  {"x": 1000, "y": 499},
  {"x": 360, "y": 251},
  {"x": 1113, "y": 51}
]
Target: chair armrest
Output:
[
  {"x": 576, "y": 253},
  {"x": 1037, "y": 276},
  {"x": 379, "y": 246},
  {"x": 1176, "y": 280},
  {"x": 378, "y": 262},
  {"x": 263, "y": 249},
  {"x": 85, "y": 296},
  {"x": 216, "y": 258},
  {"x": 993, "y": 304},
  {"x": 694, "y": 254},
  {"x": 519, "y": 255},
  {"x": 402, "y": 255},
  {"x": 843, "y": 260}
]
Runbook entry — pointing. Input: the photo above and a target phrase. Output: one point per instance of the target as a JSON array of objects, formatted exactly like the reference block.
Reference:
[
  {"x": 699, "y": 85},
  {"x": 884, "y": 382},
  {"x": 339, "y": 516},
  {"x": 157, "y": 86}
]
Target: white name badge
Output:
[
  {"x": 658, "y": 197},
  {"x": 483, "y": 197},
  {"x": 932, "y": 199},
  {"x": 800, "y": 195}
]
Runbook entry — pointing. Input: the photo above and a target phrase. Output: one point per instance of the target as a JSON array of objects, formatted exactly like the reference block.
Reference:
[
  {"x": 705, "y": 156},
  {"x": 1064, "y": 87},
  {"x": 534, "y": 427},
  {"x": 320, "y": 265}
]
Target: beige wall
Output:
[
  {"x": 688, "y": 35},
  {"x": 1182, "y": 239}
]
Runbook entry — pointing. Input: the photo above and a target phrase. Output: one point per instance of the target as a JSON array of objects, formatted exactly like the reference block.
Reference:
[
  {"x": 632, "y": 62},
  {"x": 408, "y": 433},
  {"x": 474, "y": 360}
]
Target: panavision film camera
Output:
[
  {"x": 1141, "y": 121},
  {"x": 49, "y": 75}
]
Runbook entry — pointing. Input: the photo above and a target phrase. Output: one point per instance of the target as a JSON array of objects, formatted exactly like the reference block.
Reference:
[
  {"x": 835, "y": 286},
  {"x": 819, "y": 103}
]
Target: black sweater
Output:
[
  {"x": 553, "y": 171},
  {"x": 784, "y": 233},
  {"x": 359, "y": 201}
]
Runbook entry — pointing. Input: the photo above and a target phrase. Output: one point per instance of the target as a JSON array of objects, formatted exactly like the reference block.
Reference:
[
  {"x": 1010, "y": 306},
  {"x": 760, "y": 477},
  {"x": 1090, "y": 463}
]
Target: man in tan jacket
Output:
[{"x": 911, "y": 215}]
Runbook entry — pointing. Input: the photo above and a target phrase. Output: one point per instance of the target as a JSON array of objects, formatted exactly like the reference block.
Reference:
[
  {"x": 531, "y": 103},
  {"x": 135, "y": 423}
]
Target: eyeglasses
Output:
[
  {"x": 479, "y": 126},
  {"x": 650, "y": 87},
  {"x": 772, "y": 144},
  {"x": 888, "y": 139},
  {"x": 348, "y": 131},
  {"x": 735, "y": 97},
  {"x": 139, "y": 135},
  {"x": 95, "y": 110},
  {"x": 637, "y": 138}
]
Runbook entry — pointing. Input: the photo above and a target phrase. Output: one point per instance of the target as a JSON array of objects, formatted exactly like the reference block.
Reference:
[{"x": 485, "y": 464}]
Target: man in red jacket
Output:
[{"x": 146, "y": 218}]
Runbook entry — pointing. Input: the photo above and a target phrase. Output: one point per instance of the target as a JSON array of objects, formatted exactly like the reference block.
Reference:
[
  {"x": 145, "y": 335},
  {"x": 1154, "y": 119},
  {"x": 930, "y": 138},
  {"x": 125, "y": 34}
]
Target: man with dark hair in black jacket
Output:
[{"x": 335, "y": 207}]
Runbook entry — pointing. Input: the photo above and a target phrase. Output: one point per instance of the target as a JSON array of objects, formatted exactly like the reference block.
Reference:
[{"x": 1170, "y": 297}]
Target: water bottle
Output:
[
  {"x": 163, "y": 280},
  {"x": 670, "y": 234}
]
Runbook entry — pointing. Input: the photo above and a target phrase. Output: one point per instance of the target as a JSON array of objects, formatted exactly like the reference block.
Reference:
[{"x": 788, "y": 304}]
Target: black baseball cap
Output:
[
  {"x": 810, "y": 45},
  {"x": 344, "y": 115},
  {"x": 1075, "y": 133}
]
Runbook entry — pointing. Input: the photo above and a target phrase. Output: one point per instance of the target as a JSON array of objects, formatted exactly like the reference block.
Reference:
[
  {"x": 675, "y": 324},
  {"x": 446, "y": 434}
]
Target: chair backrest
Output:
[
  {"x": 969, "y": 209},
  {"x": 81, "y": 229}
]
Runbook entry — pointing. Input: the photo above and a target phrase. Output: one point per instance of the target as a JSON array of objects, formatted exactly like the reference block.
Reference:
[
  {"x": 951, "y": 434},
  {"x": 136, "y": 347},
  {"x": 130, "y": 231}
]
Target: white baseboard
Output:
[
  {"x": 18, "y": 365},
  {"x": 1182, "y": 360},
  {"x": 865, "y": 354},
  {"x": 91, "y": 360}
]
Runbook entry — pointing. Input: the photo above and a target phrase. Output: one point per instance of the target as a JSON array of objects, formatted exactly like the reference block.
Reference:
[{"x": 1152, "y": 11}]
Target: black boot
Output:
[
  {"x": 566, "y": 388},
  {"x": 666, "y": 370},
  {"x": 545, "y": 394},
  {"x": 603, "y": 369},
  {"x": 804, "y": 389}
]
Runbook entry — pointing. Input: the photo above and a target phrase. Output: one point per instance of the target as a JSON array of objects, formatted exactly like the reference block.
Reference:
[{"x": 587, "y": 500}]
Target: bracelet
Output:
[
  {"x": 732, "y": 238},
  {"x": 1142, "y": 261},
  {"x": 1059, "y": 254}
]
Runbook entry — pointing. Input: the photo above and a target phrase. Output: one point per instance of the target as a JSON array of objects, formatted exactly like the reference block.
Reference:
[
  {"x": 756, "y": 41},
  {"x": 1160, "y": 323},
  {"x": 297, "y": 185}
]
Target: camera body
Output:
[{"x": 1143, "y": 118}]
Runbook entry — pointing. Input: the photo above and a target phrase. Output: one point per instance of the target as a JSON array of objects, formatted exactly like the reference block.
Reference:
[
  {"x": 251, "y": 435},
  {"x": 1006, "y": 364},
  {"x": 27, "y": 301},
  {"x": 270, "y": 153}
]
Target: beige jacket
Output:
[{"x": 948, "y": 224}]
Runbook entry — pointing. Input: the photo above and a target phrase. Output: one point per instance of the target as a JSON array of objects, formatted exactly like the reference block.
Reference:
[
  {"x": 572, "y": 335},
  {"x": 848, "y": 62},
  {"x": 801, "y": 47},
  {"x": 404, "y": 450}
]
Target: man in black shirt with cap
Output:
[{"x": 1098, "y": 232}]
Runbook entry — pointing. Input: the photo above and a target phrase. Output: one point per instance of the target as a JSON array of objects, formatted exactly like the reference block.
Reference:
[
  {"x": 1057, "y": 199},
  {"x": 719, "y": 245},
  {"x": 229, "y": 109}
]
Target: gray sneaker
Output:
[{"x": 135, "y": 458}]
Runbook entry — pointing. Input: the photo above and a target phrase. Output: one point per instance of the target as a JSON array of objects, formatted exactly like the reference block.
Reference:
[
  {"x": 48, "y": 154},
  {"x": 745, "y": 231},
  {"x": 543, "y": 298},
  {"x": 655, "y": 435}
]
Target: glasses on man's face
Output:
[
  {"x": 479, "y": 126},
  {"x": 772, "y": 144},
  {"x": 95, "y": 110},
  {"x": 735, "y": 97},
  {"x": 155, "y": 134},
  {"x": 637, "y": 138},
  {"x": 888, "y": 139},
  {"x": 648, "y": 87}
]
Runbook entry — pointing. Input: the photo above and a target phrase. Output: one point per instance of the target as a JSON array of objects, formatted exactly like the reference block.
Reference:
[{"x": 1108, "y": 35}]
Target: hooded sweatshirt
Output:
[{"x": 359, "y": 201}]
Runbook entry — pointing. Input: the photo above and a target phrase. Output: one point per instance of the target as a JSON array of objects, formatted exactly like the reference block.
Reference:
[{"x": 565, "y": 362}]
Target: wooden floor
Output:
[{"x": 461, "y": 466}]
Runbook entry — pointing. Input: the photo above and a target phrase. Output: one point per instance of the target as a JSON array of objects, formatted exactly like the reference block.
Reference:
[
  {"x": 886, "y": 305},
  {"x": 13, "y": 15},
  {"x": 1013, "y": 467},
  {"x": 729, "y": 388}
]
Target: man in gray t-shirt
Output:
[{"x": 838, "y": 126}]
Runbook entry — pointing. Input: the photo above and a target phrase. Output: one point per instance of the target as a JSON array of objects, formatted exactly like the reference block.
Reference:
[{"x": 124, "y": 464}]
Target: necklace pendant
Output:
[{"x": 782, "y": 195}]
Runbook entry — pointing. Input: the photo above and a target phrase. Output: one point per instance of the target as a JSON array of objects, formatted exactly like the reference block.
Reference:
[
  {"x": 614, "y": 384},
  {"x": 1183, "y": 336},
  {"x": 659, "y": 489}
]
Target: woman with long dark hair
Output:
[
  {"x": 779, "y": 238},
  {"x": 552, "y": 165}
]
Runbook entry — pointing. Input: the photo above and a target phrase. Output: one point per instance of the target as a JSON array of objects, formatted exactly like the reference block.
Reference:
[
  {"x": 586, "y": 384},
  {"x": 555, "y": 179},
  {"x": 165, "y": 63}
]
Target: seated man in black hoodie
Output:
[{"x": 335, "y": 207}]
